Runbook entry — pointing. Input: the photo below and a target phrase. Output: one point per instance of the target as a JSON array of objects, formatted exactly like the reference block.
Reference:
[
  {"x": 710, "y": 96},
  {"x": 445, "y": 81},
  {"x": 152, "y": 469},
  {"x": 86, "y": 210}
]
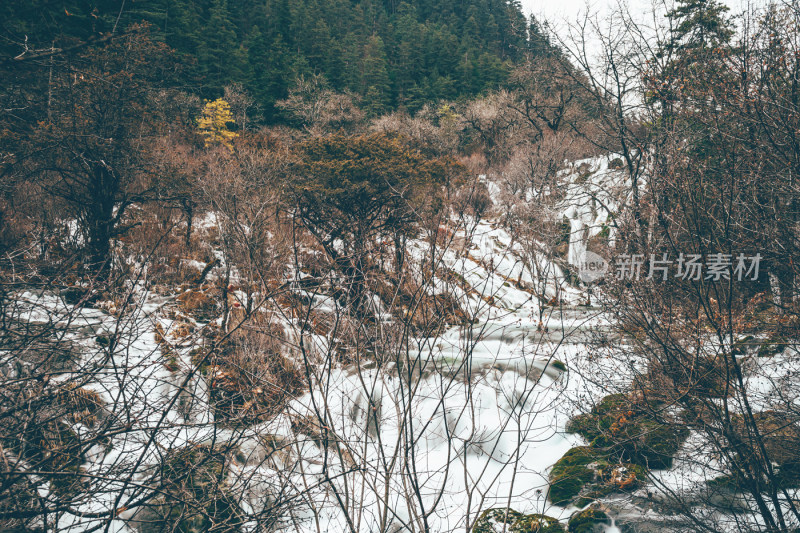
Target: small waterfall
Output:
[
  {"x": 200, "y": 411},
  {"x": 579, "y": 218},
  {"x": 613, "y": 527}
]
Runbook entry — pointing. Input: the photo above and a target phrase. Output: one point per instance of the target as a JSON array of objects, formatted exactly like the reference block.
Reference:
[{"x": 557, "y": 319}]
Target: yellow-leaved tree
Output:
[{"x": 213, "y": 123}]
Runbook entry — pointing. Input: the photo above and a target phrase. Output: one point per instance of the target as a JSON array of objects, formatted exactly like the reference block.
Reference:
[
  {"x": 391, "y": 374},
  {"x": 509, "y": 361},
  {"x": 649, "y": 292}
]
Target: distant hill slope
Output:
[{"x": 391, "y": 53}]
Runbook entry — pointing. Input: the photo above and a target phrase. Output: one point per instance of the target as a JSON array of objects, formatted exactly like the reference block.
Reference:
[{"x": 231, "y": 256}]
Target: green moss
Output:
[
  {"x": 570, "y": 474},
  {"x": 657, "y": 444},
  {"x": 491, "y": 517},
  {"x": 593, "y": 424},
  {"x": 555, "y": 363},
  {"x": 194, "y": 496},
  {"x": 644, "y": 442},
  {"x": 536, "y": 523},
  {"x": 586, "y": 473},
  {"x": 566, "y": 487},
  {"x": 499, "y": 519},
  {"x": 741, "y": 346},
  {"x": 773, "y": 346},
  {"x": 624, "y": 443},
  {"x": 629, "y": 435},
  {"x": 724, "y": 481},
  {"x": 588, "y": 520},
  {"x": 577, "y": 456},
  {"x": 780, "y": 437}
]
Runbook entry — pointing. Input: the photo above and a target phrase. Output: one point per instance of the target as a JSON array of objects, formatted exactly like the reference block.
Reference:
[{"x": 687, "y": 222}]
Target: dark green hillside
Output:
[{"x": 393, "y": 54}]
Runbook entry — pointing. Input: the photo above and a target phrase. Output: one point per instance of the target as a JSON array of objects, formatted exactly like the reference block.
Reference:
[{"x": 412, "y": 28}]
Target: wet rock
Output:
[
  {"x": 616, "y": 163},
  {"x": 590, "y": 520},
  {"x": 780, "y": 436},
  {"x": 508, "y": 520},
  {"x": 586, "y": 473},
  {"x": 773, "y": 346},
  {"x": 625, "y": 441},
  {"x": 193, "y": 495},
  {"x": 743, "y": 345},
  {"x": 629, "y": 433}
]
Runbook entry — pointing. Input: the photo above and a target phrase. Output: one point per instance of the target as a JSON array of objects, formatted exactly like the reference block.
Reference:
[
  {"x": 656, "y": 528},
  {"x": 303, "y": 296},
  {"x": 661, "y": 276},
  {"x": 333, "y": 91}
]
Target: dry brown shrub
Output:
[
  {"x": 198, "y": 303},
  {"x": 253, "y": 373}
]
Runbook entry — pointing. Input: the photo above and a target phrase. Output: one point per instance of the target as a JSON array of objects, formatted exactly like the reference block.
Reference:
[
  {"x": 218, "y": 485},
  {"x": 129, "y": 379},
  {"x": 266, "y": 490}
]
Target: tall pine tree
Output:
[{"x": 375, "y": 82}]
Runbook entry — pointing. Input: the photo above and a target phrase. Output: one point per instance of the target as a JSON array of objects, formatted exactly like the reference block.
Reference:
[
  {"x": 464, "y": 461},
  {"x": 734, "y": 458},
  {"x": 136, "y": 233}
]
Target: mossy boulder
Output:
[
  {"x": 571, "y": 473},
  {"x": 780, "y": 435},
  {"x": 56, "y": 447},
  {"x": 193, "y": 493},
  {"x": 78, "y": 295},
  {"x": 772, "y": 346},
  {"x": 630, "y": 434},
  {"x": 710, "y": 378},
  {"x": 20, "y": 493},
  {"x": 103, "y": 340},
  {"x": 646, "y": 442},
  {"x": 586, "y": 473},
  {"x": 590, "y": 520},
  {"x": 536, "y": 523},
  {"x": 80, "y": 405},
  {"x": 597, "y": 422},
  {"x": 49, "y": 437},
  {"x": 743, "y": 345},
  {"x": 625, "y": 440},
  {"x": 500, "y": 519}
]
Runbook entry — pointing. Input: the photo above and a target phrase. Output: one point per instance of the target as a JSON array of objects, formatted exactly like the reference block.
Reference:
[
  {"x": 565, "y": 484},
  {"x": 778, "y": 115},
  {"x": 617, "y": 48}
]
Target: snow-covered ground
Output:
[
  {"x": 477, "y": 426},
  {"x": 474, "y": 420},
  {"x": 477, "y": 443}
]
